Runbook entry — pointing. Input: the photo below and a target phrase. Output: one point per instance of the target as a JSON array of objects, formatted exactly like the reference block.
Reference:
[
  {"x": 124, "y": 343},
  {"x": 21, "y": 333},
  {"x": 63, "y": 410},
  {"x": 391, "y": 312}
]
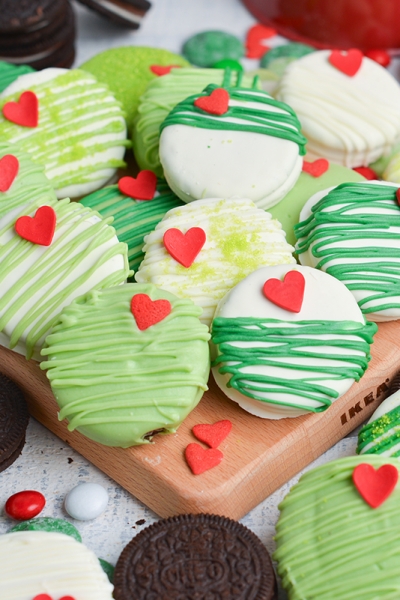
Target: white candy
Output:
[{"x": 86, "y": 501}]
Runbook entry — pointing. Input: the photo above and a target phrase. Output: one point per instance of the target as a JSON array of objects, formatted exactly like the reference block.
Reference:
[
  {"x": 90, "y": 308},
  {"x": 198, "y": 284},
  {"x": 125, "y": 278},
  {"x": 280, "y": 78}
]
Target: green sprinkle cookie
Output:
[
  {"x": 207, "y": 48},
  {"x": 127, "y": 72},
  {"x": 49, "y": 524}
]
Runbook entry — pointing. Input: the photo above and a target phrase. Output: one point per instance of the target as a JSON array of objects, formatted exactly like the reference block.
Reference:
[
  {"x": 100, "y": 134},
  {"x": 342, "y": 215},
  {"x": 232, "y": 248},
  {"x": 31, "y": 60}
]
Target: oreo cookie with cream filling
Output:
[
  {"x": 14, "y": 419},
  {"x": 128, "y": 13},
  {"x": 195, "y": 557}
]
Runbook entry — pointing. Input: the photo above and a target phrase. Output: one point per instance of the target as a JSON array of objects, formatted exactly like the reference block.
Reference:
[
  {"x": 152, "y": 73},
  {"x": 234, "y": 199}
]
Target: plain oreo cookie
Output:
[
  {"x": 195, "y": 557},
  {"x": 128, "y": 13},
  {"x": 38, "y": 33},
  {"x": 14, "y": 419}
]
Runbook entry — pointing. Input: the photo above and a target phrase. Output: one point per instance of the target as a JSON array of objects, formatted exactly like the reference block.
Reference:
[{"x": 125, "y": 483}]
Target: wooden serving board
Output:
[{"x": 259, "y": 455}]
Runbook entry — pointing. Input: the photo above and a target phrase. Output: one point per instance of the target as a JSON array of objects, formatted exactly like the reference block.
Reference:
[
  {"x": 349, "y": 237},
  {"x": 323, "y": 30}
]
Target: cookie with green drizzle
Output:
[
  {"x": 331, "y": 542},
  {"x": 251, "y": 147},
  {"x": 239, "y": 238},
  {"x": 353, "y": 233},
  {"x": 127, "y": 362},
  {"x": 80, "y": 138},
  {"x": 133, "y": 218},
  {"x": 289, "y": 340},
  {"x": 44, "y": 269}
]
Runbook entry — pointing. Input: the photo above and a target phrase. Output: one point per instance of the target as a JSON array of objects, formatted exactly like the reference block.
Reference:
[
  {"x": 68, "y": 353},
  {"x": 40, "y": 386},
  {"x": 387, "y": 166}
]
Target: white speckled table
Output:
[{"x": 46, "y": 464}]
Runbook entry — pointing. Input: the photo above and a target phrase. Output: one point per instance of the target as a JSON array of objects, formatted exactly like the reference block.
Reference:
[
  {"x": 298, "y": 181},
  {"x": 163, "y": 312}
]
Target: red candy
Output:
[
  {"x": 366, "y": 172},
  {"x": 25, "y": 505},
  {"x": 47, "y": 597},
  {"x": 9, "y": 166},
  {"x": 375, "y": 486},
  {"x": 316, "y": 168},
  {"x": 148, "y": 312},
  {"x": 217, "y": 103},
  {"x": 212, "y": 435},
  {"x": 347, "y": 62},
  {"x": 379, "y": 56},
  {"x": 25, "y": 112},
  {"x": 184, "y": 247},
  {"x": 287, "y": 294},
  {"x": 200, "y": 459},
  {"x": 38, "y": 229},
  {"x": 254, "y": 40},
  {"x": 142, "y": 188}
]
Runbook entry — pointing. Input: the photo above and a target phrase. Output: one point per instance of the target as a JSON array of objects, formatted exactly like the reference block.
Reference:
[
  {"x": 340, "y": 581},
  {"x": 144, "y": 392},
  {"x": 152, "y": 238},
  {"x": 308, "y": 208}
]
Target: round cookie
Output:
[
  {"x": 39, "y": 33},
  {"x": 51, "y": 252},
  {"x": 239, "y": 238},
  {"x": 251, "y": 147},
  {"x": 80, "y": 136},
  {"x": 128, "y": 13},
  {"x": 381, "y": 435},
  {"x": 355, "y": 116},
  {"x": 49, "y": 524},
  {"x": 289, "y": 340},
  {"x": 40, "y": 565},
  {"x": 288, "y": 210},
  {"x": 208, "y": 47},
  {"x": 160, "y": 97},
  {"x": 127, "y": 362},
  {"x": 365, "y": 252},
  {"x": 127, "y": 72},
  {"x": 14, "y": 418},
  {"x": 9, "y": 73},
  {"x": 133, "y": 219},
  {"x": 331, "y": 543},
  {"x": 195, "y": 556}
]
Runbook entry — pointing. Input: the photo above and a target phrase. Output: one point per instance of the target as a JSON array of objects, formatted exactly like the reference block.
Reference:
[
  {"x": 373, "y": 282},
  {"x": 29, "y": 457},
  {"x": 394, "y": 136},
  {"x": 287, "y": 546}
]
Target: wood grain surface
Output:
[{"x": 259, "y": 455}]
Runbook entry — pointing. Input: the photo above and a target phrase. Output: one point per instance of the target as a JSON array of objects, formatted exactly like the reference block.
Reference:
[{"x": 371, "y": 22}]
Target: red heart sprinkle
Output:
[
  {"x": 184, "y": 247},
  {"x": 148, "y": 312},
  {"x": 25, "y": 505},
  {"x": 38, "y": 229},
  {"x": 200, "y": 459},
  {"x": 212, "y": 435},
  {"x": 215, "y": 104},
  {"x": 255, "y": 36},
  {"x": 161, "y": 70},
  {"x": 141, "y": 188},
  {"x": 9, "y": 166},
  {"x": 366, "y": 172},
  {"x": 347, "y": 62},
  {"x": 375, "y": 486},
  {"x": 316, "y": 168},
  {"x": 398, "y": 195},
  {"x": 47, "y": 597},
  {"x": 287, "y": 294},
  {"x": 25, "y": 112}
]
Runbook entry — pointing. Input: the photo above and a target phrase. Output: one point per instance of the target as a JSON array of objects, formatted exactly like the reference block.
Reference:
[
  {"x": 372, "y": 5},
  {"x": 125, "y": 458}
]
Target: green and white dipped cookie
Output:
[{"x": 70, "y": 124}]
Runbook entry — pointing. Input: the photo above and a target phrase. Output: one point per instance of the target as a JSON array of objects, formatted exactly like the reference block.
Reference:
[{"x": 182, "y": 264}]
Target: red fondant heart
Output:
[
  {"x": 25, "y": 112},
  {"x": 148, "y": 312},
  {"x": 255, "y": 36},
  {"x": 184, "y": 247},
  {"x": 316, "y": 168},
  {"x": 200, "y": 459},
  {"x": 47, "y": 597},
  {"x": 161, "y": 70},
  {"x": 141, "y": 188},
  {"x": 215, "y": 104},
  {"x": 9, "y": 166},
  {"x": 347, "y": 62},
  {"x": 287, "y": 294},
  {"x": 375, "y": 486},
  {"x": 212, "y": 435},
  {"x": 366, "y": 172},
  {"x": 398, "y": 195},
  {"x": 38, "y": 229}
]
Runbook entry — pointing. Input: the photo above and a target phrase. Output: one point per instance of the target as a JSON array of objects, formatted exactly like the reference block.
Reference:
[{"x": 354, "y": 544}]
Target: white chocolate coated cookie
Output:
[
  {"x": 348, "y": 120},
  {"x": 276, "y": 362}
]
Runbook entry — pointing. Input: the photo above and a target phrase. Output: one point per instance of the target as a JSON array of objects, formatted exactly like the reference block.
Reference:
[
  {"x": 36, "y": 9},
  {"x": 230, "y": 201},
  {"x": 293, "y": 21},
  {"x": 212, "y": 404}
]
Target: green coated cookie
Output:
[
  {"x": 9, "y": 73},
  {"x": 49, "y": 524},
  {"x": 207, "y": 48},
  {"x": 107, "y": 568},
  {"x": 278, "y": 58},
  {"x": 126, "y": 71}
]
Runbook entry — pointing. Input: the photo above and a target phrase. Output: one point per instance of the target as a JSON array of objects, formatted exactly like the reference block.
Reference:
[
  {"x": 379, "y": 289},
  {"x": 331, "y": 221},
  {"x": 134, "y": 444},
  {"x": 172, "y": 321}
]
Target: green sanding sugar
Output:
[
  {"x": 126, "y": 71},
  {"x": 9, "y": 73},
  {"x": 49, "y": 524},
  {"x": 207, "y": 48}
]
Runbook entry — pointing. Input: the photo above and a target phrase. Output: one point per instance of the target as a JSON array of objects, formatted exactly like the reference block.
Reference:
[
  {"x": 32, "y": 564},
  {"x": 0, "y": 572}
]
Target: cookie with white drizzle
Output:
[
  {"x": 289, "y": 340},
  {"x": 353, "y": 233},
  {"x": 232, "y": 142}
]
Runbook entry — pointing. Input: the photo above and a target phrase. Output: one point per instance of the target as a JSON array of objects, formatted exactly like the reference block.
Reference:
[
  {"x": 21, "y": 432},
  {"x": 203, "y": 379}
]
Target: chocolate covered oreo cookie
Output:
[
  {"x": 128, "y": 13},
  {"x": 38, "y": 33},
  {"x": 195, "y": 557},
  {"x": 14, "y": 419}
]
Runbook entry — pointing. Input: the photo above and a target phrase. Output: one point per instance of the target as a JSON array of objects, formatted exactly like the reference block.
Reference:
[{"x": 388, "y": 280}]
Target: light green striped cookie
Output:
[{"x": 81, "y": 135}]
